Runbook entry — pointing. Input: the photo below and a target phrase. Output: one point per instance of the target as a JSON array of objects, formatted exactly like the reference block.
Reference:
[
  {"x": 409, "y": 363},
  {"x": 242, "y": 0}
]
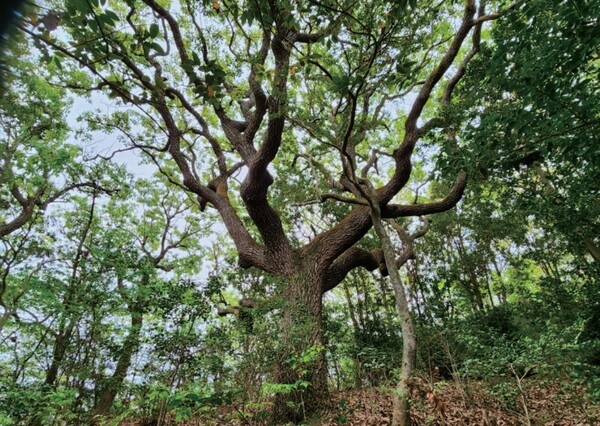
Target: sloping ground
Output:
[
  {"x": 450, "y": 404},
  {"x": 557, "y": 403}
]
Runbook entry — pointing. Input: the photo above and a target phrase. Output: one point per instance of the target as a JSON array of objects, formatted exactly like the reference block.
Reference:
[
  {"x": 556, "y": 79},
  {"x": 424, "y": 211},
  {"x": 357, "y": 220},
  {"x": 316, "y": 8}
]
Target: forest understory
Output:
[{"x": 532, "y": 402}]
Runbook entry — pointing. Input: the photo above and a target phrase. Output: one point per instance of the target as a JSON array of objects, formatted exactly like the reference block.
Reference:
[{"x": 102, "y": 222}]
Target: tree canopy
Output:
[{"x": 296, "y": 148}]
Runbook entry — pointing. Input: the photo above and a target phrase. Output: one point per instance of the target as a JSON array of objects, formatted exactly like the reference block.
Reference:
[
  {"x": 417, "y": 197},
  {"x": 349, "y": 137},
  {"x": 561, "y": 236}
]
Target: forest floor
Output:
[
  {"x": 444, "y": 403},
  {"x": 528, "y": 402}
]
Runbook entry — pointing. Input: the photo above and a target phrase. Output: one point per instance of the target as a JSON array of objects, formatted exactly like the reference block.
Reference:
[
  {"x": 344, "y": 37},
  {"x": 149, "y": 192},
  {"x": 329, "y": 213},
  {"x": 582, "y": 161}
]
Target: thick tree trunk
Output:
[{"x": 301, "y": 367}]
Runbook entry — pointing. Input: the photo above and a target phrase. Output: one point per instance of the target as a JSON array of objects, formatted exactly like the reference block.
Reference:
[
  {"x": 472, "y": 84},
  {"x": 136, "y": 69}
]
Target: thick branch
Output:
[
  {"x": 462, "y": 68},
  {"x": 328, "y": 246},
  {"x": 24, "y": 216},
  {"x": 408, "y": 248},
  {"x": 216, "y": 147},
  {"x": 259, "y": 99},
  {"x": 453, "y": 197},
  {"x": 177, "y": 36},
  {"x": 431, "y": 81},
  {"x": 250, "y": 252},
  {"x": 403, "y": 154},
  {"x": 353, "y": 258},
  {"x": 255, "y": 186}
]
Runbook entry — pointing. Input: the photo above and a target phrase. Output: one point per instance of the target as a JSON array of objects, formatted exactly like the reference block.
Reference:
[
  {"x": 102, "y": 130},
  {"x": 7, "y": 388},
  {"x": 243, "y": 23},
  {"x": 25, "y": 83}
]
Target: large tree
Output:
[{"x": 269, "y": 112}]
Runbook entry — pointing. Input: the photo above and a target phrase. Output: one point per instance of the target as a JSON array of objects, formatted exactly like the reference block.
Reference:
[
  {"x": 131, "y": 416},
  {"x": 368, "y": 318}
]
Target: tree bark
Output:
[
  {"x": 401, "y": 409},
  {"x": 300, "y": 359},
  {"x": 109, "y": 389},
  {"x": 401, "y": 406},
  {"x": 592, "y": 247}
]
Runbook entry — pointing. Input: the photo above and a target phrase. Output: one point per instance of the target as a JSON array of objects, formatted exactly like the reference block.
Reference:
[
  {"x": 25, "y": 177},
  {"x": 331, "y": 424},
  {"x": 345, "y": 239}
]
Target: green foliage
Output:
[
  {"x": 183, "y": 404},
  {"x": 531, "y": 99},
  {"x": 22, "y": 403},
  {"x": 362, "y": 334},
  {"x": 189, "y": 403},
  {"x": 117, "y": 295},
  {"x": 508, "y": 342}
]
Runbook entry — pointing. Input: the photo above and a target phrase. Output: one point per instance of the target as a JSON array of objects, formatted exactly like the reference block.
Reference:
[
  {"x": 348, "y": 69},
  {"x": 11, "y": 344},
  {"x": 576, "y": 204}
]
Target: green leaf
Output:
[
  {"x": 341, "y": 84},
  {"x": 154, "y": 30},
  {"x": 193, "y": 396},
  {"x": 158, "y": 48},
  {"x": 79, "y": 5}
]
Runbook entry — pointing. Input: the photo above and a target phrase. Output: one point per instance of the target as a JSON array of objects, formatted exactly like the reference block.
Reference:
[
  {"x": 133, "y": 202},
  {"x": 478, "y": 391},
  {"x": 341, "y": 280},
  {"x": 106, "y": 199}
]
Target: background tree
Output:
[
  {"x": 38, "y": 167},
  {"x": 532, "y": 136},
  {"x": 534, "y": 117},
  {"x": 33, "y": 120},
  {"x": 85, "y": 312}
]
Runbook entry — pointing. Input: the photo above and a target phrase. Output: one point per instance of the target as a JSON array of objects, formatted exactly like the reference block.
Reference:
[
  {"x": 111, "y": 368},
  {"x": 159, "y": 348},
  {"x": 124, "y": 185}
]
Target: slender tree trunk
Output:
[
  {"x": 489, "y": 287},
  {"x": 61, "y": 343},
  {"x": 352, "y": 313},
  {"x": 412, "y": 284},
  {"x": 401, "y": 408},
  {"x": 473, "y": 283},
  {"x": 360, "y": 308},
  {"x": 109, "y": 389},
  {"x": 63, "y": 339},
  {"x": 301, "y": 357},
  {"x": 503, "y": 291},
  {"x": 592, "y": 247},
  {"x": 70, "y": 317}
]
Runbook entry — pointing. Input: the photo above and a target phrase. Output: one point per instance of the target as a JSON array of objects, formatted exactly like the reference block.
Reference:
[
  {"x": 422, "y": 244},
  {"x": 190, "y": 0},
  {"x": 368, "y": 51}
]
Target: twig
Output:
[{"x": 520, "y": 386}]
